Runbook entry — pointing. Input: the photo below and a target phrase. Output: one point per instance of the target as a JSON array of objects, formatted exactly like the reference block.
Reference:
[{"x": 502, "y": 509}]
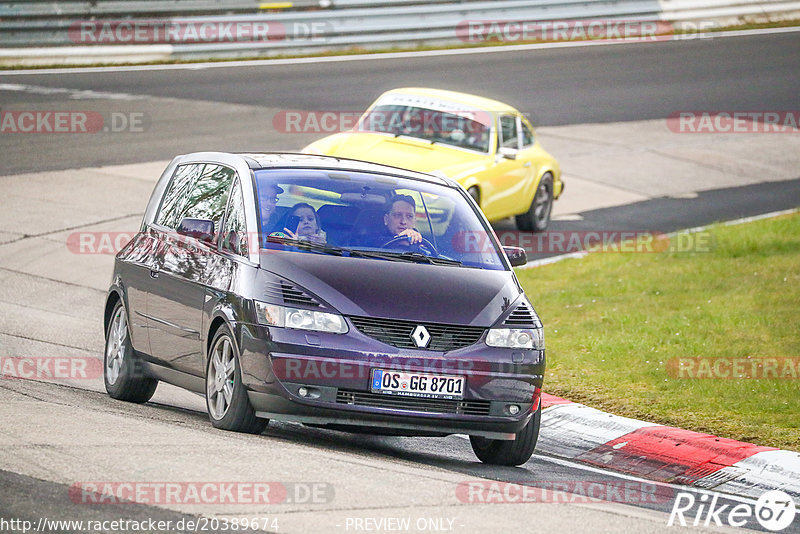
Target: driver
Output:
[{"x": 399, "y": 221}]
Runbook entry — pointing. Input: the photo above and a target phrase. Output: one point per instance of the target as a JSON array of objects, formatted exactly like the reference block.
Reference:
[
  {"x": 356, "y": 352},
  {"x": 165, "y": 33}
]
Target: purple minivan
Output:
[{"x": 328, "y": 292}]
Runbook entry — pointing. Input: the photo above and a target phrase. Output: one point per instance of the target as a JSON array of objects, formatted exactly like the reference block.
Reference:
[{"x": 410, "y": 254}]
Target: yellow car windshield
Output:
[{"x": 444, "y": 127}]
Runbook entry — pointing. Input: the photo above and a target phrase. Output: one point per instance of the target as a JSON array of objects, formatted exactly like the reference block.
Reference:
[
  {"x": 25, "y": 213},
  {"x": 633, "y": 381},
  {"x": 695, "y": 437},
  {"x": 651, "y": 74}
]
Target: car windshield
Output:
[
  {"x": 357, "y": 214},
  {"x": 431, "y": 120}
]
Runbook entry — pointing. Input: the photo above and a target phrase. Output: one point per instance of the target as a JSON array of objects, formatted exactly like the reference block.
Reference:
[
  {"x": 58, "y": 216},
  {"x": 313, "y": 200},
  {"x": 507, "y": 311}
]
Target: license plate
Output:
[{"x": 417, "y": 384}]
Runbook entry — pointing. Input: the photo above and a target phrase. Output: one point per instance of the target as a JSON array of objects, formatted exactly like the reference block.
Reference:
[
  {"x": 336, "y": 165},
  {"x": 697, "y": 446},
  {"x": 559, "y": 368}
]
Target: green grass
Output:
[{"x": 614, "y": 320}]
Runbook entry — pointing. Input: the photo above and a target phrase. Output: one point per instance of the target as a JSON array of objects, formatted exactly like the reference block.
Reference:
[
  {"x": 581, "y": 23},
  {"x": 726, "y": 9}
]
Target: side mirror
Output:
[
  {"x": 516, "y": 256},
  {"x": 507, "y": 152},
  {"x": 200, "y": 229}
]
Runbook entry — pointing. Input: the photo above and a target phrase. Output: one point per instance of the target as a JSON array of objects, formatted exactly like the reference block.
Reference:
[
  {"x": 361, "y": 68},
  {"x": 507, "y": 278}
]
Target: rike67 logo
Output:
[{"x": 775, "y": 510}]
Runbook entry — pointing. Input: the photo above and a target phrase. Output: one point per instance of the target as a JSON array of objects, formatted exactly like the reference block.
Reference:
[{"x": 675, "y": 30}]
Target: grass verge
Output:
[{"x": 614, "y": 322}]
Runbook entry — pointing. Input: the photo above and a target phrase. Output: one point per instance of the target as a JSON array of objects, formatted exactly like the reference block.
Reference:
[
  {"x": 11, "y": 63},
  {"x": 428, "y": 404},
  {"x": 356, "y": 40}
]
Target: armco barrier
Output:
[
  {"x": 32, "y": 36},
  {"x": 374, "y": 25},
  {"x": 140, "y": 8}
]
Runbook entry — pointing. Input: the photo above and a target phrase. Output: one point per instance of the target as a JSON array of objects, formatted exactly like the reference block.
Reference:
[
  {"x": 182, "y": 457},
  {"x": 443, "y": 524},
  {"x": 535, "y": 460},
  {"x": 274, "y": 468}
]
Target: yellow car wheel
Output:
[{"x": 537, "y": 217}]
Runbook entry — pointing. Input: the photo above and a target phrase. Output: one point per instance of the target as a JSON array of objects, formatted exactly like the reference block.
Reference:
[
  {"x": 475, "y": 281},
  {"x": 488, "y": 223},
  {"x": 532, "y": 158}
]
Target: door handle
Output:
[{"x": 527, "y": 164}]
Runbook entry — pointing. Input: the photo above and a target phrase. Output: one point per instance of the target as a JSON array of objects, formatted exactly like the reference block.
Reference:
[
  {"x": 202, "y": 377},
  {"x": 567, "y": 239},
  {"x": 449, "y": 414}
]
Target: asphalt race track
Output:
[
  {"x": 232, "y": 108},
  {"x": 593, "y": 105}
]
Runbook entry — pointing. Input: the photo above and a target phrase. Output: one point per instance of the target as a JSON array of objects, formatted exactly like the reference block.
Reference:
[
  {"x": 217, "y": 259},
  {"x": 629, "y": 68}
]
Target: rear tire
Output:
[
  {"x": 537, "y": 217},
  {"x": 123, "y": 372},
  {"x": 226, "y": 399},
  {"x": 509, "y": 452}
]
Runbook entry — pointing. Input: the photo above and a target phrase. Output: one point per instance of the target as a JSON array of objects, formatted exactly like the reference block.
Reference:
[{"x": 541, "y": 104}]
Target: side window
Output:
[
  {"x": 175, "y": 195},
  {"x": 234, "y": 237},
  {"x": 508, "y": 132},
  {"x": 209, "y": 195},
  {"x": 527, "y": 135}
]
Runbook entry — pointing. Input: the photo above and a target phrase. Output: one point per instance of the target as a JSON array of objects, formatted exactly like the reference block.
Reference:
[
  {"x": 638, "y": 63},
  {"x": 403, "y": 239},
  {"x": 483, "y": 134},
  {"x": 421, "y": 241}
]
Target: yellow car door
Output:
[
  {"x": 531, "y": 157},
  {"x": 510, "y": 176}
]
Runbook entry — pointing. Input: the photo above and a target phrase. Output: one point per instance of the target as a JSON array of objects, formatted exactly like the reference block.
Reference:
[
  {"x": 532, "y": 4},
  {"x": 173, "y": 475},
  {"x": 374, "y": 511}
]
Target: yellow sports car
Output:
[{"x": 488, "y": 147}]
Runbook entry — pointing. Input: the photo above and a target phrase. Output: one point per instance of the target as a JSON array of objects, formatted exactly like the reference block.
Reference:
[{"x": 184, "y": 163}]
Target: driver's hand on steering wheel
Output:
[{"x": 413, "y": 236}]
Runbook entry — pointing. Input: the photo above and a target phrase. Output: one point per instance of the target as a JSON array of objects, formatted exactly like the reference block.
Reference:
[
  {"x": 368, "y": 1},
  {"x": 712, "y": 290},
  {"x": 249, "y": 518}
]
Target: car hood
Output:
[
  {"x": 397, "y": 290},
  {"x": 405, "y": 152}
]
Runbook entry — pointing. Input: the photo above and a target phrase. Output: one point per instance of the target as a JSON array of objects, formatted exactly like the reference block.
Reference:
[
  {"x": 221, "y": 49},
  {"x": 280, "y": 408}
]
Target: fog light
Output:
[
  {"x": 513, "y": 409},
  {"x": 303, "y": 392}
]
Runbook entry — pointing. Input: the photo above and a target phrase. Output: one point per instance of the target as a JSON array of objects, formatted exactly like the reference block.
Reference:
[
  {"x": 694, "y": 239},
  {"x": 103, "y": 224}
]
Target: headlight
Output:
[
  {"x": 516, "y": 338},
  {"x": 286, "y": 317}
]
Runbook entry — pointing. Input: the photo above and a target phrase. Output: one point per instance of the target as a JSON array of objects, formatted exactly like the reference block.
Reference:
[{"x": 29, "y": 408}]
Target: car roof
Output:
[
  {"x": 466, "y": 99},
  {"x": 268, "y": 160}
]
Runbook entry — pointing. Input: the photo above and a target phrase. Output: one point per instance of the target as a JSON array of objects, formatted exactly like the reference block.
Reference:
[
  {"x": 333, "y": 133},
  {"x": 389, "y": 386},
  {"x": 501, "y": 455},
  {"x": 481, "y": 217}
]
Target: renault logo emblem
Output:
[{"x": 421, "y": 336}]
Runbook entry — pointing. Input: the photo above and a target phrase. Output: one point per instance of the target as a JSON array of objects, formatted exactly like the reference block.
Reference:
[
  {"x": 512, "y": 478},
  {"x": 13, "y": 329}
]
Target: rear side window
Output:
[
  {"x": 527, "y": 135},
  {"x": 182, "y": 180},
  {"x": 508, "y": 132},
  {"x": 198, "y": 190},
  {"x": 209, "y": 195}
]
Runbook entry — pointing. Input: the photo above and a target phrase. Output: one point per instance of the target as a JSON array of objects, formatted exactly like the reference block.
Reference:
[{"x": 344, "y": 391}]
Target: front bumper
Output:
[{"x": 334, "y": 371}]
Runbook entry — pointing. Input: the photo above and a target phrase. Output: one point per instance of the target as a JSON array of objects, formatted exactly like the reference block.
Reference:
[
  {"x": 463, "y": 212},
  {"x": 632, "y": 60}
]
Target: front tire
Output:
[
  {"x": 226, "y": 398},
  {"x": 537, "y": 217},
  {"x": 509, "y": 452},
  {"x": 123, "y": 372}
]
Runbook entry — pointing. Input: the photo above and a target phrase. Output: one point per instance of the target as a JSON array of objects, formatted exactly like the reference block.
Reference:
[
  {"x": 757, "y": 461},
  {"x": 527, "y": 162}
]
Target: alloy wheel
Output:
[{"x": 220, "y": 379}]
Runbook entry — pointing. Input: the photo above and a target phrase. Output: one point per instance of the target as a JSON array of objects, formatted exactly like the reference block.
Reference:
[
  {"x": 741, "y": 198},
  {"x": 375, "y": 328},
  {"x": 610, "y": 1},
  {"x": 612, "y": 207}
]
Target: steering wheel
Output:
[{"x": 425, "y": 246}]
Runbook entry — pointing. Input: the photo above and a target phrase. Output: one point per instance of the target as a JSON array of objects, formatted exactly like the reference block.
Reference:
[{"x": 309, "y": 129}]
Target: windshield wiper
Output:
[
  {"x": 410, "y": 136},
  {"x": 312, "y": 246},
  {"x": 304, "y": 244},
  {"x": 412, "y": 257},
  {"x": 422, "y": 258},
  {"x": 379, "y": 254}
]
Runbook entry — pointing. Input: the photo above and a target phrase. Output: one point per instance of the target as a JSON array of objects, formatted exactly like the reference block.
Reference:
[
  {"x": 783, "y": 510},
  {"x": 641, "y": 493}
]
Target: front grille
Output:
[
  {"x": 412, "y": 404},
  {"x": 521, "y": 316},
  {"x": 290, "y": 294},
  {"x": 444, "y": 337}
]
